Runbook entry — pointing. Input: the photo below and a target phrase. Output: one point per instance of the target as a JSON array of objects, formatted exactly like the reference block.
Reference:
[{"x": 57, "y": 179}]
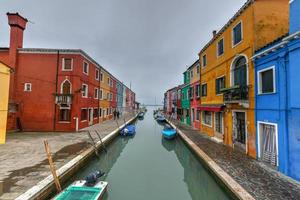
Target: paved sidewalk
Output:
[
  {"x": 23, "y": 160},
  {"x": 260, "y": 181}
]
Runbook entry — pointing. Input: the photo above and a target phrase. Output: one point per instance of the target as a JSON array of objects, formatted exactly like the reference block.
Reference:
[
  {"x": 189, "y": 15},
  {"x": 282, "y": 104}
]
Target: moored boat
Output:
[
  {"x": 129, "y": 130},
  {"x": 90, "y": 189},
  {"x": 160, "y": 118},
  {"x": 169, "y": 132}
]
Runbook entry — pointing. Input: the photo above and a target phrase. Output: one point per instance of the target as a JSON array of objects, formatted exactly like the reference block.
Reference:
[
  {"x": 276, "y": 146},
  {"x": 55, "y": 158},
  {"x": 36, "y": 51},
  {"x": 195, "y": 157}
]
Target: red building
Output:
[{"x": 50, "y": 89}]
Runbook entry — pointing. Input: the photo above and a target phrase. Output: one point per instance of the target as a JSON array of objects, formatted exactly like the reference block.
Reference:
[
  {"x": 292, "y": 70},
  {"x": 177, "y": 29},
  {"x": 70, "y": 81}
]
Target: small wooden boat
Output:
[
  {"x": 129, "y": 130},
  {"x": 84, "y": 189},
  {"x": 169, "y": 132}
]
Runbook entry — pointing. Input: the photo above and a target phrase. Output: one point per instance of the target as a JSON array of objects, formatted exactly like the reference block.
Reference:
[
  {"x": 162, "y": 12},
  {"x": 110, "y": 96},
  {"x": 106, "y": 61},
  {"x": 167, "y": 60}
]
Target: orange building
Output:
[
  {"x": 227, "y": 72},
  {"x": 105, "y": 95}
]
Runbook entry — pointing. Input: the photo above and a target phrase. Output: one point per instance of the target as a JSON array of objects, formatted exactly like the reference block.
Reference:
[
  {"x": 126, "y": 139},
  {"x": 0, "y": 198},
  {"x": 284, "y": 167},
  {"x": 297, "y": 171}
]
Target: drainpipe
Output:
[
  {"x": 76, "y": 123},
  {"x": 56, "y": 90}
]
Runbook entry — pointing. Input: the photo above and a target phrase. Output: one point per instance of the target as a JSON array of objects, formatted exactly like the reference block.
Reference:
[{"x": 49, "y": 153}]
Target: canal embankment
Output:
[
  {"x": 245, "y": 177},
  {"x": 24, "y": 167}
]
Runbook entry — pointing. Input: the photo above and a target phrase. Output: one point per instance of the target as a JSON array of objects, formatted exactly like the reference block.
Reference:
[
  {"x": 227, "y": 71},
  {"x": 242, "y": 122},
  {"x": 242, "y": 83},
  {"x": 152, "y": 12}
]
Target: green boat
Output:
[{"x": 79, "y": 191}]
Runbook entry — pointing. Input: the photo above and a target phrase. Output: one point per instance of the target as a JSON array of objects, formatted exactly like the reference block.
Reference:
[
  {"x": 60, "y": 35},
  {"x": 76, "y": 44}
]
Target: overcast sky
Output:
[{"x": 146, "y": 42}]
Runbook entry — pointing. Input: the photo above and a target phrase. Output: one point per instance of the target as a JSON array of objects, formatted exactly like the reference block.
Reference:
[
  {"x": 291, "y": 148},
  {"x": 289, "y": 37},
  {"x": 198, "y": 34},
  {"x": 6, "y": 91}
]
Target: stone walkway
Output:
[
  {"x": 260, "y": 181},
  {"x": 23, "y": 160}
]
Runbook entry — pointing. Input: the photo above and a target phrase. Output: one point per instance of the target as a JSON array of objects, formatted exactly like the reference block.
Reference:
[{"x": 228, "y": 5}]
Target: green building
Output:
[{"x": 185, "y": 100}]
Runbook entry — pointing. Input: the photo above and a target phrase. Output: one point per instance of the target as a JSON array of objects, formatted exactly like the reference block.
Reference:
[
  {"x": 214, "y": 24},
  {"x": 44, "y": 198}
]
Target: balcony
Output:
[
  {"x": 63, "y": 99},
  {"x": 236, "y": 94}
]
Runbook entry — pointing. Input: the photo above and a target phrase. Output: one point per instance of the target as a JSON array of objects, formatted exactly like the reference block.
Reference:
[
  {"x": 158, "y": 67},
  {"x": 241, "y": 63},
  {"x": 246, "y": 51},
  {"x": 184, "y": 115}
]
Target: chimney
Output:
[
  {"x": 17, "y": 25},
  {"x": 214, "y": 33}
]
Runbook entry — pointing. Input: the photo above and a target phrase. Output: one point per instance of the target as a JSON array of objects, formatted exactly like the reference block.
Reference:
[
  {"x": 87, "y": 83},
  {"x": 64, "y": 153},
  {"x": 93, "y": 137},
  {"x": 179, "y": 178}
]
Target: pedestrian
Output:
[
  {"x": 115, "y": 114},
  {"x": 118, "y": 114}
]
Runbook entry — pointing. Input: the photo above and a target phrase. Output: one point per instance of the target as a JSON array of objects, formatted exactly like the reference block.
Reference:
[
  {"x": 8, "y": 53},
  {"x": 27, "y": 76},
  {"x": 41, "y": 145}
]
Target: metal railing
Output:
[
  {"x": 63, "y": 99},
  {"x": 235, "y": 94}
]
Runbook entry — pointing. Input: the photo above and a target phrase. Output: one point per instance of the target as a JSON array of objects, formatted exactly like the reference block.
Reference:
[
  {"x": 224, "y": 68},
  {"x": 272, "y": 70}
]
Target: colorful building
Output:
[
  {"x": 114, "y": 94},
  {"x": 4, "y": 82},
  {"x": 185, "y": 100},
  {"x": 227, "y": 72},
  {"x": 106, "y": 97},
  {"x": 62, "y": 84},
  {"x": 277, "y": 99},
  {"x": 179, "y": 107},
  {"x": 119, "y": 96},
  {"x": 194, "y": 94}
]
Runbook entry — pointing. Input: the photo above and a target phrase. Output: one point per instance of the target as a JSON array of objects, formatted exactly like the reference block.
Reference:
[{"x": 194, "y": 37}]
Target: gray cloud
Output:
[{"x": 146, "y": 42}]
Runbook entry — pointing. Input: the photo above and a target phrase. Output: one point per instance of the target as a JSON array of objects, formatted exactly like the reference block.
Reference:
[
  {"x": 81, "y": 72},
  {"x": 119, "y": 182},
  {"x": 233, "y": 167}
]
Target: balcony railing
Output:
[
  {"x": 63, "y": 99},
  {"x": 236, "y": 94}
]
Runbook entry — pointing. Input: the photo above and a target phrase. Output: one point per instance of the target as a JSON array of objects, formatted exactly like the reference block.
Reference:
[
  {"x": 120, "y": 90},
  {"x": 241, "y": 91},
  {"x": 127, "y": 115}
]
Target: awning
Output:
[{"x": 211, "y": 108}]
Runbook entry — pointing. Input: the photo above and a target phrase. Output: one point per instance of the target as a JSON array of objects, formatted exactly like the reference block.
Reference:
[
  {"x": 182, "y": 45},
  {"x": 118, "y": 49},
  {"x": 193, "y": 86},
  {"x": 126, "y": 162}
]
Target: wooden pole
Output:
[{"x": 52, "y": 167}]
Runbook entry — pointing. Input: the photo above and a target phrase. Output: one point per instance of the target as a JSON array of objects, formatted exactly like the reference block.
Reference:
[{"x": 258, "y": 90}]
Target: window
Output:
[
  {"x": 107, "y": 111},
  {"x": 192, "y": 74},
  {"x": 239, "y": 72},
  {"x": 204, "y": 60},
  {"x": 96, "y": 113},
  {"x": 108, "y": 81},
  {"x": 220, "y": 48},
  {"x": 108, "y": 96},
  {"x": 83, "y": 116},
  {"x": 100, "y": 112},
  {"x": 219, "y": 122},
  {"x": 100, "y": 94},
  {"x": 266, "y": 81},
  {"x": 64, "y": 115},
  {"x": 111, "y": 96},
  {"x": 220, "y": 84},
  {"x": 101, "y": 77},
  {"x": 237, "y": 34},
  {"x": 97, "y": 74},
  {"x": 207, "y": 118},
  {"x": 198, "y": 115},
  {"x": 198, "y": 69},
  {"x": 204, "y": 90},
  {"x": 191, "y": 92},
  {"x": 85, "y": 67},
  {"x": 27, "y": 87},
  {"x": 197, "y": 88},
  {"x": 67, "y": 64},
  {"x": 84, "y": 90},
  {"x": 66, "y": 87},
  {"x": 96, "y": 93}
]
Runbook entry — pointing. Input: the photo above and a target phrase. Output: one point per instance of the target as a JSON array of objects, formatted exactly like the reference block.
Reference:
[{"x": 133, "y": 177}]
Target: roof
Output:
[
  {"x": 237, "y": 14},
  {"x": 65, "y": 51},
  {"x": 277, "y": 40},
  {"x": 196, "y": 62}
]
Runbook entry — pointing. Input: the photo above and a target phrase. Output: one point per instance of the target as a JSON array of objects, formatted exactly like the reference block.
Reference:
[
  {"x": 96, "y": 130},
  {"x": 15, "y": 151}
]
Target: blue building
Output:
[
  {"x": 119, "y": 96},
  {"x": 277, "y": 68}
]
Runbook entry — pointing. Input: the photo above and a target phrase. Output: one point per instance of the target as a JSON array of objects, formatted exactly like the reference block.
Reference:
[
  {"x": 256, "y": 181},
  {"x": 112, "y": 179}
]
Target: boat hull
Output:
[
  {"x": 169, "y": 134},
  {"x": 78, "y": 188}
]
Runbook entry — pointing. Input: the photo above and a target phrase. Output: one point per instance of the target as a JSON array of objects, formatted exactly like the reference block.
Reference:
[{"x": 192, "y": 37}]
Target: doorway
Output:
[
  {"x": 90, "y": 116},
  {"x": 239, "y": 129},
  {"x": 268, "y": 143}
]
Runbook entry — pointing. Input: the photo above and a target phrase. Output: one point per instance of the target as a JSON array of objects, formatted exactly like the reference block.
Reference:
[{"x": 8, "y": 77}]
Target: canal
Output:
[{"x": 148, "y": 167}]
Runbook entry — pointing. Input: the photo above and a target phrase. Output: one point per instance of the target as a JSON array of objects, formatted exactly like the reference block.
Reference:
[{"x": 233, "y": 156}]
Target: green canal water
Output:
[{"x": 148, "y": 167}]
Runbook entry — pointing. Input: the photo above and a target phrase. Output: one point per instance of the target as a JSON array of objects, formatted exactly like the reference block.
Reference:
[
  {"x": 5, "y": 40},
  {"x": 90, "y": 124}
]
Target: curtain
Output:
[{"x": 269, "y": 153}]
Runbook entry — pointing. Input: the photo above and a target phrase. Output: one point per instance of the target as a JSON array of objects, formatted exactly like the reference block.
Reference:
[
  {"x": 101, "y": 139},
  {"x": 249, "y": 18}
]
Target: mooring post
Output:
[{"x": 52, "y": 166}]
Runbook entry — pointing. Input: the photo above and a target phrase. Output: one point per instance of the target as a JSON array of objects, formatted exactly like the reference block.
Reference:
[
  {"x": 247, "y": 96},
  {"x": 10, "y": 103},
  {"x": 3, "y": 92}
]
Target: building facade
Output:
[
  {"x": 277, "y": 99},
  {"x": 185, "y": 100},
  {"x": 4, "y": 82},
  {"x": 120, "y": 96},
  {"x": 227, "y": 72},
  {"x": 194, "y": 94},
  {"x": 62, "y": 84}
]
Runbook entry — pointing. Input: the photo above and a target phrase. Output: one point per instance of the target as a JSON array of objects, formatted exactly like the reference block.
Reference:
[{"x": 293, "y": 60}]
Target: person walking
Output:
[
  {"x": 118, "y": 114},
  {"x": 115, "y": 114}
]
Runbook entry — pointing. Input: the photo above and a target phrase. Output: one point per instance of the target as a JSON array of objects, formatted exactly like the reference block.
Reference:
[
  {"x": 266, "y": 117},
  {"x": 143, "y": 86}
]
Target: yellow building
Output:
[
  {"x": 4, "y": 92},
  {"x": 227, "y": 71},
  {"x": 105, "y": 95}
]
